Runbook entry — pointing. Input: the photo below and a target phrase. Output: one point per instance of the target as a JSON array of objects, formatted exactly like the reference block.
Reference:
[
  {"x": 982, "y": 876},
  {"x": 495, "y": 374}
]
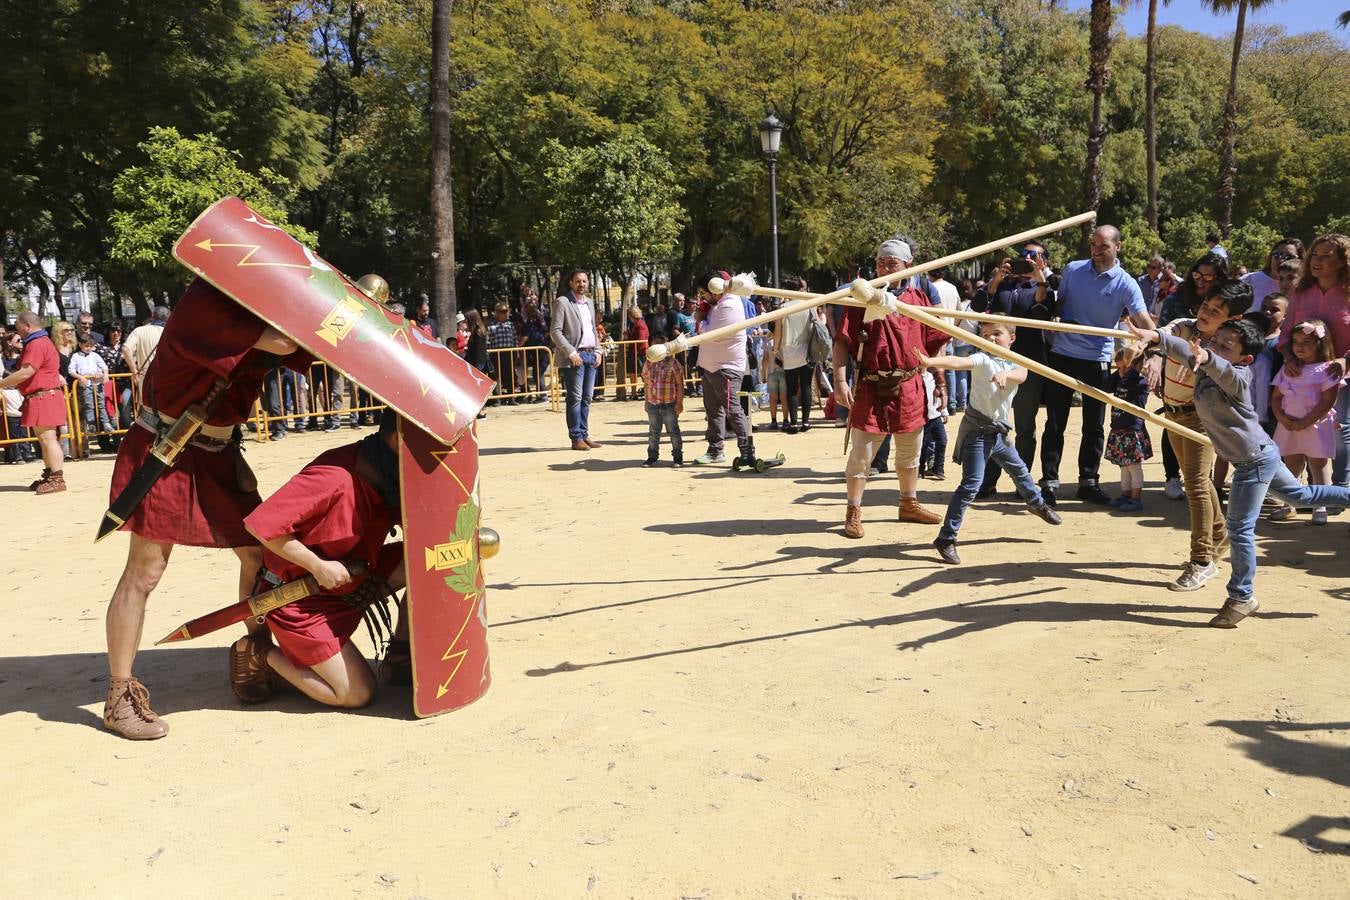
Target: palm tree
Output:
[
  {"x": 1151, "y": 111},
  {"x": 1343, "y": 20},
  {"x": 1099, "y": 53},
  {"x": 1228, "y": 132},
  {"x": 442, "y": 197}
]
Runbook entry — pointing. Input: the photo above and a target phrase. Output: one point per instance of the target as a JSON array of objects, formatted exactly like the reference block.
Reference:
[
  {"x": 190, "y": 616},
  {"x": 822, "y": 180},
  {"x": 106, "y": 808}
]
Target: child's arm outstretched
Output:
[
  {"x": 957, "y": 363},
  {"x": 1234, "y": 381}
]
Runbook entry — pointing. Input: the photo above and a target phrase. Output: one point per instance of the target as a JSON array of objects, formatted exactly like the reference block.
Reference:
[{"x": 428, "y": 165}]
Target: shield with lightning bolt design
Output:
[
  {"x": 287, "y": 285},
  {"x": 446, "y": 603}
]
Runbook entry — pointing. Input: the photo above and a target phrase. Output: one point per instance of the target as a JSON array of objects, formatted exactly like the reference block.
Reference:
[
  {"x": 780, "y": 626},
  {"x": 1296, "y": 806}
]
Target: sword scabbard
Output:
[{"x": 269, "y": 601}]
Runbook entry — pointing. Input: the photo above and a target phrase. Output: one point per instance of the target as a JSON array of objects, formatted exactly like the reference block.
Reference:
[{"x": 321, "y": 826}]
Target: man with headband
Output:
[
  {"x": 889, "y": 397},
  {"x": 336, "y": 511}
]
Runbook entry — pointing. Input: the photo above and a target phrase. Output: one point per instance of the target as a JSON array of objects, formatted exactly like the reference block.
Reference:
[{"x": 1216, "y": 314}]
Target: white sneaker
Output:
[
  {"x": 1194, "y": 576},
  {"x": 1319, "y": 516},
  {"x": 1173, "y": 489}
]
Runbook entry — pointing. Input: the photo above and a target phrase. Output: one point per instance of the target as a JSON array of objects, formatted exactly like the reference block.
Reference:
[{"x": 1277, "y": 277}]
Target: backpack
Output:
[{"x": 819, "y": 345}]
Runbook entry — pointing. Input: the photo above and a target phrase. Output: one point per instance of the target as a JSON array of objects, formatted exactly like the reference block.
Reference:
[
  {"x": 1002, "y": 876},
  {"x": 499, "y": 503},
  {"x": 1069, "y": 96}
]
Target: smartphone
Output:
[{"x": 1021, "y": 266}]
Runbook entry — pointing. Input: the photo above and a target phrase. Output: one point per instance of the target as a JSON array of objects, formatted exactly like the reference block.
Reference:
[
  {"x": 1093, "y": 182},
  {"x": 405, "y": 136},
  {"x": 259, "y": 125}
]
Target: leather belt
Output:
[
  {"x": 1177, "y": 410},
  {"x": 213, "y": 438},
  {"x": 45, "y": 392},
  {"x": 901, "y": 375}
]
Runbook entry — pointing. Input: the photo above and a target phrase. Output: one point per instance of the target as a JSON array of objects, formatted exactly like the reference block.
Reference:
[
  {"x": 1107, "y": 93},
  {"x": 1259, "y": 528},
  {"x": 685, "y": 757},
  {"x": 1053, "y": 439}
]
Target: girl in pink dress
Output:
[{"x": 1303, "y": 405}]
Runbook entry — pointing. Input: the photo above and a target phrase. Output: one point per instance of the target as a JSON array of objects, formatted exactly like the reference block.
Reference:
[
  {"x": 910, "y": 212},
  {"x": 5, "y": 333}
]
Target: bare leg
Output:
[
  {"x": 146, "y": 561},
  {"x": 344, "y": 679},
  {"x": 250, "y": 561},
  {"x": 49, "y": 442}
]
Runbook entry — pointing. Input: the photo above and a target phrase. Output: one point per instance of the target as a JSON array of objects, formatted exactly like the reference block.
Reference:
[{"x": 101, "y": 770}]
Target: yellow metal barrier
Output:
[
  {"x": 291, "y": 399},
  {"x": 522, "y": 373}
]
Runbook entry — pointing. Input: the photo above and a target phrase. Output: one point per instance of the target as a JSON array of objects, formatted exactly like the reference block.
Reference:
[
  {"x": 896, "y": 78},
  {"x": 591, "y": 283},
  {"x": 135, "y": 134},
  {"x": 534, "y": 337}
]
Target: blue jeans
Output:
[
  {"x": 1251, "y": 481},
  {"x": 958, "y": 389},
  {"x": 977, "y": 453},
  {"x": 663, "y": 415},
  {"x": 579, "y": 383},
  {"x": 1338, "y": 465}
]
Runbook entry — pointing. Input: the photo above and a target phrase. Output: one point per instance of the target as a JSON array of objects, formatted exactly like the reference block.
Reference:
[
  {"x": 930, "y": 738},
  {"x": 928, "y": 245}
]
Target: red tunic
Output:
[
  {"x": 199, "y": 501},
  {"x": 890, "y": 345},
  {"x": 48, "y": 411},
  {"x": 338, "y": 515}
]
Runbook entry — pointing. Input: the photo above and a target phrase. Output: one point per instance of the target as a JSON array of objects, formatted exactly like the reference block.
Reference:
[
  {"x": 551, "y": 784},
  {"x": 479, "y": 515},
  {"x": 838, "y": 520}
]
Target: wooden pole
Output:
[
  {"x": 660, "y": 351},
  {"x": 922, "y": 315},
  {"x": 1012, "y": 321}
]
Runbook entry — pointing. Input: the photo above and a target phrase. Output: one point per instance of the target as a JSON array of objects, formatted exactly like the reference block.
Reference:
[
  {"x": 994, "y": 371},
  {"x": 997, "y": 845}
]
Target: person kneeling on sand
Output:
[{"x": 337, "y": 510}]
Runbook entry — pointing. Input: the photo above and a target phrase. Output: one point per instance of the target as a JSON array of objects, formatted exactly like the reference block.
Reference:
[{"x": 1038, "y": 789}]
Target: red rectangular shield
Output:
[
  {"x": 447, "y": 610},
  {"x": 287, "y": 285}
]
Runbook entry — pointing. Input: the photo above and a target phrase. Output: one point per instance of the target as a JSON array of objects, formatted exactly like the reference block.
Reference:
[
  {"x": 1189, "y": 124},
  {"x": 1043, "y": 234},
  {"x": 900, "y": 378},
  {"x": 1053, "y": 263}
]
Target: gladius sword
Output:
[
  {"x": 162, "y": 457},
  {"x": 259, "y": 605}
]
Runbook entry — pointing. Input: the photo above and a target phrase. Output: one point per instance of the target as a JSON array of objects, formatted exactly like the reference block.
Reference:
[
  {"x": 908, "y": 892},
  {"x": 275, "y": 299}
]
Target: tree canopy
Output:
[{"x": 953, "y": 120}]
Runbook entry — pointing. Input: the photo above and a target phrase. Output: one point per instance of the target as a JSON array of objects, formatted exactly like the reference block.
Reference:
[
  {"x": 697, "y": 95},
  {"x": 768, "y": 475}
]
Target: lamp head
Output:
[{"x": 770, "y": 134}]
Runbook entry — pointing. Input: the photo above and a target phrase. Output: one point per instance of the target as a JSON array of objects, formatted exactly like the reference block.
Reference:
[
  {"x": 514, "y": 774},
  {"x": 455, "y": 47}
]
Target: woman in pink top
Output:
[{"x": 1321, "y": 294}]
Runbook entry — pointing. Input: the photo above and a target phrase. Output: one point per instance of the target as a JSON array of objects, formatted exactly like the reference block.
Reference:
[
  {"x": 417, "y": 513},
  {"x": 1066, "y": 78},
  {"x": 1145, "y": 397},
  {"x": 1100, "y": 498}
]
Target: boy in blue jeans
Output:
[
  {"x": 982, "y": 436},
  {"x": 663, "y": 391},
  {"x": 1223, "y": 402}
]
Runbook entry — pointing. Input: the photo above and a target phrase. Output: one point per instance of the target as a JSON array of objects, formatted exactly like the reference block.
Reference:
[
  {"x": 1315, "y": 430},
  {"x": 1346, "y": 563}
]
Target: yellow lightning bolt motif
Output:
[
  {"x": 458, "y": 658},
  {"x": 440, "y": 457},
  {"x": 209, "y": 246}
]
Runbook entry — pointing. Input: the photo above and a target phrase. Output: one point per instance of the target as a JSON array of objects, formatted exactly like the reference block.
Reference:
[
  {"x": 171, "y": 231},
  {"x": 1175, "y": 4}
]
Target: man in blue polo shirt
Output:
[{"x": 1098, "y": 292}]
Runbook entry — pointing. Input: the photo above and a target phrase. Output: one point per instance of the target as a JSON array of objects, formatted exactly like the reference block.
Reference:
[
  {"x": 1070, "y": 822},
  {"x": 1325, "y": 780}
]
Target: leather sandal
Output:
[
  {"x": 853, "y": 522},
  {"x": 250, "y": 675},
  {"x": 396, "y": 667},
  {"x": 127, "y": 712},
  {"x": 912, "y": 511}
]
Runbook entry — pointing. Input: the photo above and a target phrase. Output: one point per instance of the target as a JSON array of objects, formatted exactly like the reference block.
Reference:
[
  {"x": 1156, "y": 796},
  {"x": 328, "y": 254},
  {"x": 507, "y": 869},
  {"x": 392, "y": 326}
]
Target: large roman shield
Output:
[
  {"x": 446, "y": 602},
  {"x": 284, "y": 283}
]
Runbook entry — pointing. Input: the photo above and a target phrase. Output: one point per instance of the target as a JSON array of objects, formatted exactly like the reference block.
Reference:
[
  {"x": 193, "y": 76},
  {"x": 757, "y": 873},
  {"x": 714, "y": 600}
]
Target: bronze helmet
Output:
[{"x": 374, "y": 287}]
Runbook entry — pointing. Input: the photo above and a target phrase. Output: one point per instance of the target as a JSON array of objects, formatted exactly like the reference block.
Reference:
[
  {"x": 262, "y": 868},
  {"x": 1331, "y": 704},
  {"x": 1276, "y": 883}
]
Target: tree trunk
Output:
[
  {"x": 442, "y": 199},
  {"x": 1151, "y": 114},
  {"x": 1228, "y": 137},
  {"x": 1099, "y": 53}
]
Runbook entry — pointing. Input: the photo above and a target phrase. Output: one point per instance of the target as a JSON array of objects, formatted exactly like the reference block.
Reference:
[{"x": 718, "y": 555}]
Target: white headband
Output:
[{"x": 897, "y": 249}]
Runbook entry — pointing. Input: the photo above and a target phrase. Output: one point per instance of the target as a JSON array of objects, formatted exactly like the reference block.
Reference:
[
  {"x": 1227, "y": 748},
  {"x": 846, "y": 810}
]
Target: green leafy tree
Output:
[
  {"x": 1099, "y": 57},
  {"x": 154, "y": 203},
  {"x": 84, "y": 80},
  {"x": 611, "y": 207},
  {"x": 1139, "y": 243},
  {"x": 1249, "y": 244}
]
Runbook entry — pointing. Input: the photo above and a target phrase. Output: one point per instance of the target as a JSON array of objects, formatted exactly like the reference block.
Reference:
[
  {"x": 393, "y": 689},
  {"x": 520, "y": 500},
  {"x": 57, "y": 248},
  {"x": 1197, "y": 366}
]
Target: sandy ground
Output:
[{"x": 701, "y": 689}]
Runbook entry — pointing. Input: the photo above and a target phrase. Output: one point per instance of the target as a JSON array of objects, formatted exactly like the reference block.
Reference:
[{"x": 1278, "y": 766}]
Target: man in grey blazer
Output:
[{"x": 577, "y": 354}]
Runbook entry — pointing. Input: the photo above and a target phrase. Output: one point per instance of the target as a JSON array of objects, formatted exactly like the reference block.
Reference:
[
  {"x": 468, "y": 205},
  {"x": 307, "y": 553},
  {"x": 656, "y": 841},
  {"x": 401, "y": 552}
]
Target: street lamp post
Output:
[{"x": 770, "y": 134}]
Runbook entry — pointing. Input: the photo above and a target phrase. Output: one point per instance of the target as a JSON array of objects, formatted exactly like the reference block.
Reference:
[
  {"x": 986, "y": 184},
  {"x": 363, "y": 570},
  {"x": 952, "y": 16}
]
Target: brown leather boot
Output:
[
  {"x": 911, "y": 511},
  {"x": 250, "y": 675},
  {"x": 46, "y": 473},
  {"x": 128, "y": 713},
  {"x": 853, "y": 522},
  {"x": 52, "y": 484}
]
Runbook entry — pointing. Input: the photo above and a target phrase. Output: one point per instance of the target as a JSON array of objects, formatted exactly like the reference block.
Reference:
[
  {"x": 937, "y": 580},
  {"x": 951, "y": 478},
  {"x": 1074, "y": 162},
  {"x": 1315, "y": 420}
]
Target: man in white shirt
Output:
[{"x": 721, "y": 365}]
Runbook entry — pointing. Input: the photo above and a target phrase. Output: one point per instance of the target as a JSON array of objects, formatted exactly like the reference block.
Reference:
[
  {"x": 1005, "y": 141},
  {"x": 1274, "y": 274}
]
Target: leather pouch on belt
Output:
[
  {"x": 243, "y": 475},
  {"x": 887, "y": 387}
]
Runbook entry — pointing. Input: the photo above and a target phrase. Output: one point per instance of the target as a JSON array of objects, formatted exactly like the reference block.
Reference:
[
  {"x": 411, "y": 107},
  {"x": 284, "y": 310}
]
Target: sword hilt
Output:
[{"x": 270, "y": 600}]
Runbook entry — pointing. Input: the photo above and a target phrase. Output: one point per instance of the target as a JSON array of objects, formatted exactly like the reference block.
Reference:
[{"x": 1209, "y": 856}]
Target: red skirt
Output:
[
  {"x": 316, "y": 628},
  {"x": 44, "y": 412},
  {"x": 198, "y": 502}
]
